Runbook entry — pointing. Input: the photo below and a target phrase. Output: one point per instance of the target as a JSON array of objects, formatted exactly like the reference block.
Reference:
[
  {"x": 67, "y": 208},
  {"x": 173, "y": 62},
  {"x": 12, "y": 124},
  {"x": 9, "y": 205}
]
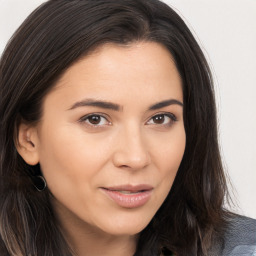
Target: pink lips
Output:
[{"x": 128, "y": 196}]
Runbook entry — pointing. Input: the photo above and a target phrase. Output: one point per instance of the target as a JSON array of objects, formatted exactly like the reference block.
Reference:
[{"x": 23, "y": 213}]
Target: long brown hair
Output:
[{"x": 51, "y": 39}]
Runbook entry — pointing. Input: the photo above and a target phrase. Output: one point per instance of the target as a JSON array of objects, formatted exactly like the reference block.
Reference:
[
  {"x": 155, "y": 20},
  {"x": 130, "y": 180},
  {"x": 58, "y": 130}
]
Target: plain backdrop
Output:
[{"x": 226, "y": 30}]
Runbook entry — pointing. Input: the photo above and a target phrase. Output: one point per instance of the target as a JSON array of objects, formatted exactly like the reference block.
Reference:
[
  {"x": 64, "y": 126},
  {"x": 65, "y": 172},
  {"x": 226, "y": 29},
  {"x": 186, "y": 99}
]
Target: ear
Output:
[{"x": 27, "y": 143}]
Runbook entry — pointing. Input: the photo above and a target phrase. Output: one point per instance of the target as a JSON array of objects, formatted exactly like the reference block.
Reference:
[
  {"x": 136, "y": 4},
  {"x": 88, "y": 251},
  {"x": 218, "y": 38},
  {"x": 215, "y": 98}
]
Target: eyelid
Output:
[
  {"x": 83, "y": 119},
  {"x": 172, "y": 116}
]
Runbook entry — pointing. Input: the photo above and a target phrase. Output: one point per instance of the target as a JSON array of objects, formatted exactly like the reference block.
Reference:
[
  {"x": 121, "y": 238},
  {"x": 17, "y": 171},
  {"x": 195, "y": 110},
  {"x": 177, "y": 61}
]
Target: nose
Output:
[{"x": 131, "y": 151}]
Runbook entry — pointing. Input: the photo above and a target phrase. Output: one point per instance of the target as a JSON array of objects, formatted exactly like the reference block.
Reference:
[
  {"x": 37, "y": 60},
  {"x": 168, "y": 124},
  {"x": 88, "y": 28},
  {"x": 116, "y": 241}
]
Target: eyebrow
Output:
[
  {"x": 116, "y": 107},
  {"x": 96, "y": 103},
  {"x": 165, "y": 103}
]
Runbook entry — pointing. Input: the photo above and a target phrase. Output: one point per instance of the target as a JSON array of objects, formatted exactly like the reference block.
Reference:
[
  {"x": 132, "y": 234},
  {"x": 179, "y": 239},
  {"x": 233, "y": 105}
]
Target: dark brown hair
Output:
[{"x": 51, "y": 39}]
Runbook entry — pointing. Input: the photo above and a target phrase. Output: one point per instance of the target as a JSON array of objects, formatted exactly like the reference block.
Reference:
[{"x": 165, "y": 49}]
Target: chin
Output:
[
  {"x": 124, "y": 231},
  {"x": 131, "y": 225}
]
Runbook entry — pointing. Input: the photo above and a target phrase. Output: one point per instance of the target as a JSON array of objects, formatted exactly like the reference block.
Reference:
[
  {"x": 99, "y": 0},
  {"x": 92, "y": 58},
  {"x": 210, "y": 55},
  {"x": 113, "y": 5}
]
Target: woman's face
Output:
[{"x": 112, "y": 137}]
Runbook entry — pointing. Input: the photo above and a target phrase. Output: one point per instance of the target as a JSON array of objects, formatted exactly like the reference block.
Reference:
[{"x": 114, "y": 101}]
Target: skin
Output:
[{"x": 129, "y": 146}]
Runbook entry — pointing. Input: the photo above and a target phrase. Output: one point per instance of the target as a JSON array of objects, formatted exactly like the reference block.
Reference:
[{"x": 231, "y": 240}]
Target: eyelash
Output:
[
  {"x": 171, "y": 116},
  {"x": 85, "y": 119}
]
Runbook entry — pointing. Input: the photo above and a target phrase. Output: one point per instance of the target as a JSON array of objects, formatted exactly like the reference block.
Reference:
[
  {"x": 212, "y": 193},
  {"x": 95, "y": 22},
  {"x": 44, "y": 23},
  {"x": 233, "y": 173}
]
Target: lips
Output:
[{"x": 129, "y": 196}]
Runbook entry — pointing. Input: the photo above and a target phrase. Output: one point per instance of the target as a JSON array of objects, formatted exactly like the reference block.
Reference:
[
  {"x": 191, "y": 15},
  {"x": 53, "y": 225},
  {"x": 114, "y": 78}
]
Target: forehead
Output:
[{"x": 141, "y": 69}]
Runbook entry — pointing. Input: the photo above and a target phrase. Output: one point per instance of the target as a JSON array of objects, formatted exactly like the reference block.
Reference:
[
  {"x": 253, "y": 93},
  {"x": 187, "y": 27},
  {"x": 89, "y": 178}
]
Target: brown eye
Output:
[
  {"x": 159, "y": 119},
  {"x": 94, "y": 120},
  {"x": 162, "y": 119}
]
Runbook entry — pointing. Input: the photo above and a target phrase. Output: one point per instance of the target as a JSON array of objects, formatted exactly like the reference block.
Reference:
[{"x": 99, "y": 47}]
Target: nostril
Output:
[
  {"x": 124, "y": 166},
  {"x": 132, "y": 155}
]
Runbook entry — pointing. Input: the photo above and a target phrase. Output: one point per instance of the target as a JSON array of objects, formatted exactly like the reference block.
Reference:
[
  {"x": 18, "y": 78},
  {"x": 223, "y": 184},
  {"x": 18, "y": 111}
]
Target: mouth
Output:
[
  {"x": 128, "y": 196},
  {"x": 125, "y": 192}
]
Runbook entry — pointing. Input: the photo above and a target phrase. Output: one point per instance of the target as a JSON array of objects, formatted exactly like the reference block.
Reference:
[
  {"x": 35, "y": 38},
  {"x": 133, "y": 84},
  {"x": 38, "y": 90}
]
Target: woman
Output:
[{"x": 109, "y": 138}]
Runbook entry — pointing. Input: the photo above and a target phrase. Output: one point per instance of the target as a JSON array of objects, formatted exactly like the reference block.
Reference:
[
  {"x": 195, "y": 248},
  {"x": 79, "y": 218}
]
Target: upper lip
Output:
[{"x": 132, "y": 188}]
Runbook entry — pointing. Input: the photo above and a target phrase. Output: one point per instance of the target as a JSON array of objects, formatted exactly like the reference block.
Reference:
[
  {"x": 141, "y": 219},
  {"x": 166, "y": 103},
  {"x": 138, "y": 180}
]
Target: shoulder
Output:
[{"x": 239, "y": 238}]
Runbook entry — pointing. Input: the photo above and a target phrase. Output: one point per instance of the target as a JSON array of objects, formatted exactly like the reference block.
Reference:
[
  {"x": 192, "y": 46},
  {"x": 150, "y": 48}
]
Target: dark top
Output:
[{"x": 238, "y": 240}]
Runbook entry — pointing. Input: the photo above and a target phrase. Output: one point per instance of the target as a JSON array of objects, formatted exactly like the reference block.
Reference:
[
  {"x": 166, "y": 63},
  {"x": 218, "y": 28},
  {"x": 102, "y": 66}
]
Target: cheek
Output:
[
  {"x": 69, "y": 156},
  {"x": 169, "y": 156}
]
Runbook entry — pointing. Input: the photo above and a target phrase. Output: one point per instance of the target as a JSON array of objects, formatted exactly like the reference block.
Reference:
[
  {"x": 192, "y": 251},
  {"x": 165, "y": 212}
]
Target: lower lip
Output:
[{"x": 129, "y": 200}]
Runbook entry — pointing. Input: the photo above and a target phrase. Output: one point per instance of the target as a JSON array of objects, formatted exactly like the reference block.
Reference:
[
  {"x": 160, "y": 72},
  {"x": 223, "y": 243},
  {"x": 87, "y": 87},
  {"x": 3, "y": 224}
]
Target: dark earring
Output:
[{"x": 40, "y": 183}]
